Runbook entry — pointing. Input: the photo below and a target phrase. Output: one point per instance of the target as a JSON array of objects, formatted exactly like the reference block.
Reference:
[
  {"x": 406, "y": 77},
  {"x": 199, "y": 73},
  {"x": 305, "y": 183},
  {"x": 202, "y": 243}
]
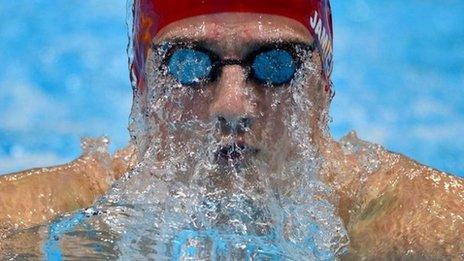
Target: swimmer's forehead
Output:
[{"x": 230, "y": 32}]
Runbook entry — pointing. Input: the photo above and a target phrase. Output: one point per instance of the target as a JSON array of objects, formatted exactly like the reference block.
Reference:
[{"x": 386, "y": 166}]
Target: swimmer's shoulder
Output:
[
  {"x": 403, "y": 208},
  {"x": 33, "y": 197}
]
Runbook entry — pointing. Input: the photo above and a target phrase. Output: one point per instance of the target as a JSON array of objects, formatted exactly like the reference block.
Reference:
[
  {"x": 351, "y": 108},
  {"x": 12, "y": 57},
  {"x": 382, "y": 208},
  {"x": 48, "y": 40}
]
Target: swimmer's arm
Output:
[
  {"x": 408, "y": 209},
  {"x": 36, "y": 196}
]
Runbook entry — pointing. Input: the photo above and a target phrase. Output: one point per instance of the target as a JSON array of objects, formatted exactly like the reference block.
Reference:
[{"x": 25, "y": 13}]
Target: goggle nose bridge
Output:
[{"x": 220, "y": 64}]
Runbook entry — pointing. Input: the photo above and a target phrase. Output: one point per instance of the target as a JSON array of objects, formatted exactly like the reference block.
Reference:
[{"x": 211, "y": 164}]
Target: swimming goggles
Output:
[{"x": 269, "y": 65}]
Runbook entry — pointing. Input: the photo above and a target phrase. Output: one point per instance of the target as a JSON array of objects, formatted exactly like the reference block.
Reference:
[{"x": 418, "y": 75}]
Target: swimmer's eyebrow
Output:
[
  {"x": 209, "y": 41},
  {"x": 247, "y": 47},
  {"x": 186, "y": 41},
  {"x": 256, "y": 45}
]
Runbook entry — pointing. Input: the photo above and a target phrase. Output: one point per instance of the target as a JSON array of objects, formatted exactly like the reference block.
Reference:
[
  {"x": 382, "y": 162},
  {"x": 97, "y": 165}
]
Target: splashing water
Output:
[
  {"x": 197, "y": 194},
  {"x": 183, "y": 202}
]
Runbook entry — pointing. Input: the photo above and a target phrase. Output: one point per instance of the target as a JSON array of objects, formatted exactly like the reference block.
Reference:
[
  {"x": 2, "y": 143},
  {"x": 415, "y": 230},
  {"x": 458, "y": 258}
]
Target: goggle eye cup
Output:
[
  {"x": 274, "y": 67},
  {"x": 270, "y": 66},
  {"x": 189, "y": 66}
]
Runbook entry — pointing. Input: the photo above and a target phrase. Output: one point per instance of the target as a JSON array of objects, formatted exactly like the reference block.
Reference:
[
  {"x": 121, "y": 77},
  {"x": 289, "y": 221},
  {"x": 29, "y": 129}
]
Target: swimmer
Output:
[{"x": 243, "y": 67}]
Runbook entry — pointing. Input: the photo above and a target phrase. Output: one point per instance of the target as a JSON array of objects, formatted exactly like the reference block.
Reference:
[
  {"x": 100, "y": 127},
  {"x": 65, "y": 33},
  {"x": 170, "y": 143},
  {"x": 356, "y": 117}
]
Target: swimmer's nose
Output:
[{"x": 233, "y": 102}]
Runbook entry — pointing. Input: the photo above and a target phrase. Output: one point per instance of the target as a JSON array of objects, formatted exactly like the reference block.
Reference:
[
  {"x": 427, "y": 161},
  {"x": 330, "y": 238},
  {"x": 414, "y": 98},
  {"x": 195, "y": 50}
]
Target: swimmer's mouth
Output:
[{"x": 235, "y": 153}]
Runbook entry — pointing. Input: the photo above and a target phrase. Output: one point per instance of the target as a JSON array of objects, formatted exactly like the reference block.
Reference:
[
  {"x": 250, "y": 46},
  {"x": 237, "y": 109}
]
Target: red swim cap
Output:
[{"x": 150, "y": 16}]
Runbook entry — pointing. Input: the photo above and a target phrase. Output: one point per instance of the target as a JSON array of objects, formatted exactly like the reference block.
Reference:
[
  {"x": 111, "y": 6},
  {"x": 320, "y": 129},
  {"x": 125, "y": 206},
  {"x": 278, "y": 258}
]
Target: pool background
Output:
[{"x": 399, "y": 78}]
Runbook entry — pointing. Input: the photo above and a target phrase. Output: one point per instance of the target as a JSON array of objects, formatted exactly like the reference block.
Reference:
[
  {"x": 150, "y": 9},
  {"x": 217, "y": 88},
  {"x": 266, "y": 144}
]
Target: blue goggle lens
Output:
[
  {"x": 274, "y": 67},
  {"x": 192, "y": 66},
  {"x": 189, "y": 66}
]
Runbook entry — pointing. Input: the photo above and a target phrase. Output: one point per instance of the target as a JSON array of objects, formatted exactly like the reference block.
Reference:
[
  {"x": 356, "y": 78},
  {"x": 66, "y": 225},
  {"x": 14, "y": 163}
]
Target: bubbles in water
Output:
[{"x": 208, "y": 189}]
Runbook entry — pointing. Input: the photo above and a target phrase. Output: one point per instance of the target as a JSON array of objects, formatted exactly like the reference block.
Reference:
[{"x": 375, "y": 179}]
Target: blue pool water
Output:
[
  {"x": 399, "y": 76},
  {"x": 52, "y": 250}
]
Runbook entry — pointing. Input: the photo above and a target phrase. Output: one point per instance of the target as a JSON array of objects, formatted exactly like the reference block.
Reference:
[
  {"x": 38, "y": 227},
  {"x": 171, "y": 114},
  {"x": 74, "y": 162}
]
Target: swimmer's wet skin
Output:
[
  {"x": 391, "y": 206},
  {"x": 32, "y": 197}
]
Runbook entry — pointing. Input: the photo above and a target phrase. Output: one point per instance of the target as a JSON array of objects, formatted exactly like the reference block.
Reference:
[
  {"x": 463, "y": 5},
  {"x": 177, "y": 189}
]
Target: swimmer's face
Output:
[{"x": 247, "y": 111}]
